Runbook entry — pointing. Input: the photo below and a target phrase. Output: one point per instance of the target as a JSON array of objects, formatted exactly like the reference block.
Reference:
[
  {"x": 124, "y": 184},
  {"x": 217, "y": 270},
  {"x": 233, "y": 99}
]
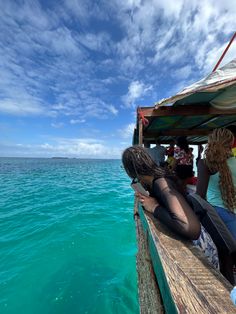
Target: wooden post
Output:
[{"x": 140, "y": 134}]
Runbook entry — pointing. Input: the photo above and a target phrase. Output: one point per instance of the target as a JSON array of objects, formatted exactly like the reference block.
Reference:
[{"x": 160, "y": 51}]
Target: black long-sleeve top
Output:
[{"x": 174, "y": 211}]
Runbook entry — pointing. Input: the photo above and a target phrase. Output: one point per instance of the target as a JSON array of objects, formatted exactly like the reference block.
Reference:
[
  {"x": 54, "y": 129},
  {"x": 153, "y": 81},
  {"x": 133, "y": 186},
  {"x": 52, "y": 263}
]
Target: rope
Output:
[
  {"x": 145, "y": 121},
  {"x": 223, "y": 54}
]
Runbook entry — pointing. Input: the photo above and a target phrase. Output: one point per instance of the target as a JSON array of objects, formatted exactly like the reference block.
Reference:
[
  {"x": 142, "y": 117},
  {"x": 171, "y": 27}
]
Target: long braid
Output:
[
  {"x": 217, "y": 152},
  {"x": 137, "y": 161}
]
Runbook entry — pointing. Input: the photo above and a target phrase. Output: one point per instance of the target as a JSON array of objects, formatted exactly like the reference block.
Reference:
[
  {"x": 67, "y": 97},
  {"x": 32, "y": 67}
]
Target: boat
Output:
[{"x": 173, "y": 275}]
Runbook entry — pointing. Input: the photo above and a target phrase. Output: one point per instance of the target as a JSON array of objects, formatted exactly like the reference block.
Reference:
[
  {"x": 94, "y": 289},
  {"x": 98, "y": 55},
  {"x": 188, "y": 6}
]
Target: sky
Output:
[{"x": 73, "y": 72}]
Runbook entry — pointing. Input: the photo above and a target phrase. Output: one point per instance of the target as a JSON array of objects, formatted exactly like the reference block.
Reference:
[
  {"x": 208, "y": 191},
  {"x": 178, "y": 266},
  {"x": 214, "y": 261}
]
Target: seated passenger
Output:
[
  {"x": 158, "y": 153},
  {"x": 217, "y": 176},
  {"x": 170, "y": 155},
  {"x": 167, "y": 201},
  {"x": 192, "y": 180},
  {"x": 232, "y": 128},
  {"x": 199, "y": 155},
  {"x": 183, "y": 159}
]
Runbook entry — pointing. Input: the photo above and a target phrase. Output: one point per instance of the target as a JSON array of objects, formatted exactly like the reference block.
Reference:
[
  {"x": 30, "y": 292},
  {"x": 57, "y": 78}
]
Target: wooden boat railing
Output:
[{"x": 174, "y": 276}]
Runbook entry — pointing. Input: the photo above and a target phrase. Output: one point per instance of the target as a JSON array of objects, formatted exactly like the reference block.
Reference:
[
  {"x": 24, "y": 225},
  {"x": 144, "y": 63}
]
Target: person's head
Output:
[
  {"x": 219, "y": 146},
  {"x": 157, "y": 142},
  {"x": 182, "y": 143},
  {"x": 217, "y": 151},
  {"x": 137, "y": 163},
  {"x": 172, "y": 143},
  {"x": 146, "y": 144},
  {"x": 232, "y": 128}
]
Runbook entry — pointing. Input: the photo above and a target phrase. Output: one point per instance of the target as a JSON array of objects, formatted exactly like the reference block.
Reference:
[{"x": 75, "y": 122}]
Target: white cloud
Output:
[
  {"x": 182, "y": 73},
  {"x": 74, "y": 61},
  {"x": 76, "y": 121},
  {"x": 97, "y": 42},
  {"x": 61, "y": 41},
  {"x": 151, "y": 38},
  {"x": 64, "y": 147},
  {"x": 212, "y": 56},
  {"x": 20, "y": 108},
  {"x": 174, "y": 33},
  {"x": 127, "y": 131},
  {"x": 28, "y": 12},
  {"x": 112, "y": 109},
  {"x": 57, "y": 125},
  {"x": 85, "y": 10},
  {"x": 48, "y": 59},
  {"x": 135, "y": 91}
]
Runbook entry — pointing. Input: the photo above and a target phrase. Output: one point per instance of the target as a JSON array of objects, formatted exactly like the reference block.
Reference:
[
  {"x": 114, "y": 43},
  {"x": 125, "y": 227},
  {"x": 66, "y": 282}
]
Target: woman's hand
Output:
[{"x": 148, "y": 202}]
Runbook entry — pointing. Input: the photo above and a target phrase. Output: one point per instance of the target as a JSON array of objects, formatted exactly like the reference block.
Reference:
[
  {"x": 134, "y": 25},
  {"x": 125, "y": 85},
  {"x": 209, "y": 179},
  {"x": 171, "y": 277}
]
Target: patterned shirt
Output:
[{"x": 182, "y": 157}]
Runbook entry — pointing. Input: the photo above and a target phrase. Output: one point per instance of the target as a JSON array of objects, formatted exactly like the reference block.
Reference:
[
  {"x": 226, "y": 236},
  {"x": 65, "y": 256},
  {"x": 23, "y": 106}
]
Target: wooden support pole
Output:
[{"x": 140, "y": 134}]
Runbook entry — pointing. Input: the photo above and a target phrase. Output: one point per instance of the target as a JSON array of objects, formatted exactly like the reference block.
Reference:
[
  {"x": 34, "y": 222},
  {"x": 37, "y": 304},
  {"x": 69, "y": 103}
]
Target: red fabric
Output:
[
  {"x": 145, "y": 121},
  {"x": 234, "y": 144},
  {"x": 170, "y": 151},
  {"x": 192, "y": 181}
]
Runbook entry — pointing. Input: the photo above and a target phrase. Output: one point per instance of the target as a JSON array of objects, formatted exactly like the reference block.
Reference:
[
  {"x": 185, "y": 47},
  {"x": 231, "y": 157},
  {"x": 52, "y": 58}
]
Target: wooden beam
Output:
[
  {"x": 228, "y": 124},
  {"x": 185, "y": 110},
  {"x": 174, "y": 125},
  {"x": 190, "y": 142},
  {"x": 211, "y": 119},
  {"x": 175, "y": 132}
]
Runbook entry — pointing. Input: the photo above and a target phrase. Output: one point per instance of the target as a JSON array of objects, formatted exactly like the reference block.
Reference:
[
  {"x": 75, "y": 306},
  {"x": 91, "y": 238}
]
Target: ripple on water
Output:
[{"x": 67, "y": 237}]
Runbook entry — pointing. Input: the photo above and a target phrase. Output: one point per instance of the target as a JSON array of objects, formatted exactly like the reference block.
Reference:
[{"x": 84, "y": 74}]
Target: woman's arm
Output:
[
  {"x": 199, "y": 155},
  {"x": 174, "y": 164},
  {"x": 203, "y": 176},
  {"x": 174, "y": 211}
]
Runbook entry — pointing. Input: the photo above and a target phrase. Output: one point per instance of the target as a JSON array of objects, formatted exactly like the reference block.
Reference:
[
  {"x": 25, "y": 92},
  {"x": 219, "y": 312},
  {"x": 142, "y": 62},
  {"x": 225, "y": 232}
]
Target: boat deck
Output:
[{"x": 184, "y": 281}]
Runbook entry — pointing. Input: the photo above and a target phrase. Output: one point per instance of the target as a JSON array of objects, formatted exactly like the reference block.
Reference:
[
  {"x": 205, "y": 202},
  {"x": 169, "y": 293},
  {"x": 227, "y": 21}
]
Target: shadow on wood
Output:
[{"x": 185, "y": 279}]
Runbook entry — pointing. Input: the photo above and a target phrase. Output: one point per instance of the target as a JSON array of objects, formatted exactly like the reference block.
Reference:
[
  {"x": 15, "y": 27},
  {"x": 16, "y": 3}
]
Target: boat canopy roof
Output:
[{"x": 194, "y": 112}]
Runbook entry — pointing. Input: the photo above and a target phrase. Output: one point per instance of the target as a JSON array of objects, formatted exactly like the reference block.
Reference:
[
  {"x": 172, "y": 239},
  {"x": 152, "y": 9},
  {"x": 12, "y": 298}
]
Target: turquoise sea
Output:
[{"x": 67, "y": 237}]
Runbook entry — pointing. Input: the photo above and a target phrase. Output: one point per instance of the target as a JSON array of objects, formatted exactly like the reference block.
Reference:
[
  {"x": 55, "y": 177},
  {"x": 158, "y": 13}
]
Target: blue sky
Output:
[{"x": 74, "y": 71}]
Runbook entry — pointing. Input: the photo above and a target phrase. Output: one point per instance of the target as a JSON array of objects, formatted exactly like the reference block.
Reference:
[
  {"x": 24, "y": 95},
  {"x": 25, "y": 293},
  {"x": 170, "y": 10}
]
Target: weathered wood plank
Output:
[
  {"x": 188, "y": 283},
  {"x": 189, "y": 110},
  {"x": 175, "y": 132},
  {"x": 149, "y": 295}
]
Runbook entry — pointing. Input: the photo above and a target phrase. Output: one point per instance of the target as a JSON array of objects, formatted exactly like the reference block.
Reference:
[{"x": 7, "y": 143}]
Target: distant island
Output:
[{"x": 60, "y": 157}]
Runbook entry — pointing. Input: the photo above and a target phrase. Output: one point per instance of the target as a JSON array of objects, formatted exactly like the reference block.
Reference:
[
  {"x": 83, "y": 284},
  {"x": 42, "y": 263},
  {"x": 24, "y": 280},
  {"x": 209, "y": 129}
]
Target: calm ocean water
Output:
[{"x": 67, "y": 237}]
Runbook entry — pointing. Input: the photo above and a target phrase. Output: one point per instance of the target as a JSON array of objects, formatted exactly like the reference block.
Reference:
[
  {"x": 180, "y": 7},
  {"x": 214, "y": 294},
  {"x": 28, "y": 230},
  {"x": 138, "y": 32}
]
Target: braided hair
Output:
[
  {"x": 217, "y": 151},
  {"x": 137, "y": 161}
]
